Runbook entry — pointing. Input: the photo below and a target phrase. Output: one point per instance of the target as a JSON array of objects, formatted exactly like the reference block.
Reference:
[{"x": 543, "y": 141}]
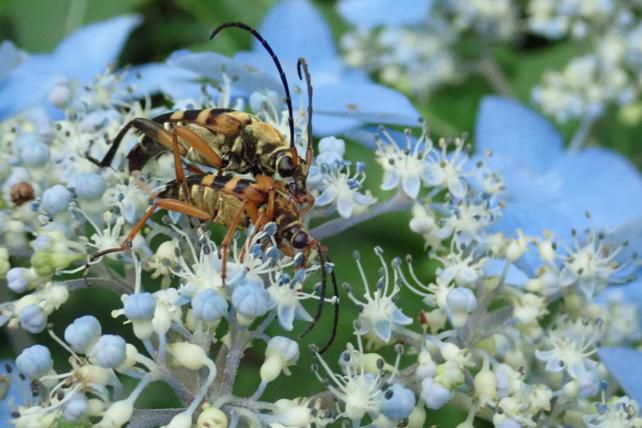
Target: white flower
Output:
[
  {"x": 403, "y": 166},
  {"x": 572, "y": 344},
  {"x": 340, "y": 186},
  {"x": 378, "y": 312}
]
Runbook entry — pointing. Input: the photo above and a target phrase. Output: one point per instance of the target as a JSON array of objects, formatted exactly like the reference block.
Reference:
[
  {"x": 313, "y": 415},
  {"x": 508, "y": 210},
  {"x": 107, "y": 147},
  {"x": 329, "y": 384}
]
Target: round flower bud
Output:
[
  {"x": 117, "y": 415},
  {"x": 140, "y": 306},
  {"x": 208, "y": 305},
  {"x": 398, "y": 402},
  {"x": 88, "y": 185},
  {"x": 181, "y": 420},
  {"x": 55, "y": 199},
  {"x": 426, "y": 367},
  {"x": 332, "y": 144},
  {"x": 251, "y": 300},
  {"x": 516, "y": 248},
  {"x": 546, "y": 250},
  {"x": 540, "y": 398},
  {"x": 83, "y": 333},
  {"x": 19, "y": 279},
  {"x": 36, "y": 153},
  {"x": 188, "y": 355},
  {"x": 434, "y": 394},
  {"x": 461, "y": 302},
  {"x": 485, "y": 387},
  {"x": 290, "y": 413},
  {"x": 281, "y": 352},
  {"x": 110, "y": 351},
  {"x": 212, "y": 417},
  {"x": 60, "y": 95},
  {"x": 32, "y": 318},
  {"x": 588, "y": 384},
  {"x": 35, "y": 361},
  {"x": 508, "y": 423},
  {"x": 76, "y": 407}
]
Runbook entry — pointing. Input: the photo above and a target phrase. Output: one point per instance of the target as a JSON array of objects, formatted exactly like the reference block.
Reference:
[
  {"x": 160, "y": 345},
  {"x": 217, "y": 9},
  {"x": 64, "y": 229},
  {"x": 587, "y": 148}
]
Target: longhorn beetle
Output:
[
  {"x": 225, "y": 139},
  {"x": 229, "y": 140},
  {"x": 234, "y": 201}
]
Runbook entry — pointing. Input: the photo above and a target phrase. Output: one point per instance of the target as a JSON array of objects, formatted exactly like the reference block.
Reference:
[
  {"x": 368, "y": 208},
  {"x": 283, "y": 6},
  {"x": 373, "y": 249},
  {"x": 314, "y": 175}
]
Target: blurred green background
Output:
[{"x": 38, "y": 25}]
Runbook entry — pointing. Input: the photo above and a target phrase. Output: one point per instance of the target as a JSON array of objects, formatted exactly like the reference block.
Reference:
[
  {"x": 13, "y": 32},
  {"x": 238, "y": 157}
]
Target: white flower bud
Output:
[
  {"x": 461, "y": 302},
  {"x": 546, "y": 250},
  {"x": 485, "y": 387},
  {"x": 434, "y": 394},
  {"x": 188, "y": 355},
  {"x": 212, "y": 417},
  {"x": 281, "y": 352},
  {"x": 117, "y": 415},
  {"x": 426, "y": 367},
  {"x": 292, "y": 414},
  {"x": 181, "y": 420},
  {"x": 517, "y": 247}
]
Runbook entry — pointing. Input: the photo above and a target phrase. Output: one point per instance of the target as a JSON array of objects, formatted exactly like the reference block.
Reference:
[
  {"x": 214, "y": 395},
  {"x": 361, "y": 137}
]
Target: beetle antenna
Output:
[
  {"x": 302, "y": 64},
  {"x": 335, "y": 320},
  {"x": 284, "y": 80},
  {"x": 322, "y": 292}
]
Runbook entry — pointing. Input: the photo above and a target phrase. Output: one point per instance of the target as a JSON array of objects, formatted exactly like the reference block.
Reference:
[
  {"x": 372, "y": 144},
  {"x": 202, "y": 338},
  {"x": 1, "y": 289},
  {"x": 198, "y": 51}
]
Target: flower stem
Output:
[
  {"x": 494, "y": 75},
  {"x": 583, "y": 132},
  {"x": 399, "y": 202}
]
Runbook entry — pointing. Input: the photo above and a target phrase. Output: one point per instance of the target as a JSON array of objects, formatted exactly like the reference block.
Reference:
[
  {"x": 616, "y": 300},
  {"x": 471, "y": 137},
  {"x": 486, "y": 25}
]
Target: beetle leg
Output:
[
  {"x": 193, "y": 140},
  {"x": 168, "y": 204}
]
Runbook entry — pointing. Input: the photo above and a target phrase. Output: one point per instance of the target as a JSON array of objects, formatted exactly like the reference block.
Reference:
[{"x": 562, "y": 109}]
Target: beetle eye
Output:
[
  {"x": 286, "y": 166},
  {"x": 300, "y": 240}
]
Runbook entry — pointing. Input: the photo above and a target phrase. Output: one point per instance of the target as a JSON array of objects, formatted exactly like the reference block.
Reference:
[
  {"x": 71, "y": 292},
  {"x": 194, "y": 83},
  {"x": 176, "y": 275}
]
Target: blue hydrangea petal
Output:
[
  {"x": 302, "y": 314},
  {"x": 10, "y": 58},
  {"x": 99, "y": 43},
  {"x": 368, "y": 102},
  {"x": 625, "y": 365},
  {"x": 15, "y": 392},
  {"x": 327, "y": 196},
  {"x": 602, "y": 183},
  {"x": 515, "y": 276},
  {"x": 504, "y": 126},
  {"x": 383, "y": 330},
  {"x": 247, "y": 77},
  {"x": 400, "y": 318},
  {"x": 326, "y": 125},
  {"x": 296, "y": 28},
  {"x": 286, "y": 314},
  {"x": 631, "y": 232},
  {"x": 175, "y": 82},
  {"x": 372, "y": 13},
  {"x": 26, "y": 86}
]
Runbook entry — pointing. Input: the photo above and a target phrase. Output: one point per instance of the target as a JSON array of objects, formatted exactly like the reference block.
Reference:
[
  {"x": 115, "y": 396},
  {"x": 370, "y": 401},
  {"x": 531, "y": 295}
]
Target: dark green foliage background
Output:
[{"x": 38, "y": 25}]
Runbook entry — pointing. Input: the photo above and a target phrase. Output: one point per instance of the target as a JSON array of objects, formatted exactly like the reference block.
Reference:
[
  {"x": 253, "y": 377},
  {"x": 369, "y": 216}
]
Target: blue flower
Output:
[
  {"x": 548, "y": 187},
  {"x": 344, "y": 98},
  {"x": 373, "y": 13},
  {"x": 25, "y": 81},
  {"x": 16, "y": 388},
  {"x": 625, "y": 365}
]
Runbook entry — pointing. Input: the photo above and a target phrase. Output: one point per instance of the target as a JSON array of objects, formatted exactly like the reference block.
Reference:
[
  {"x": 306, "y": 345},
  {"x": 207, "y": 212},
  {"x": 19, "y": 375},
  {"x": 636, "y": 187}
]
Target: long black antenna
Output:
[
  {"x": 322, "y": 293},
  {"x": 335, "y": 321},
  {"x": 284, "y": 80},
  {"x": 302, "y": 64}
]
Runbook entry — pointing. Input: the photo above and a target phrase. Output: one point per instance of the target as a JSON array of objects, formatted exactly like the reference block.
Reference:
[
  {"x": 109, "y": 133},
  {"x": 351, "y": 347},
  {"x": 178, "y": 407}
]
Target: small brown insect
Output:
[{"x": 22, "y": 192}]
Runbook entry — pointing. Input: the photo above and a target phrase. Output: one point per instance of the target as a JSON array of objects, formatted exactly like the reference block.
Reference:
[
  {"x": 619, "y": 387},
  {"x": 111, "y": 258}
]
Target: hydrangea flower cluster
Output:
[
  {"x": 505, "y": 318},
  {"x": 418, "y": 48}
]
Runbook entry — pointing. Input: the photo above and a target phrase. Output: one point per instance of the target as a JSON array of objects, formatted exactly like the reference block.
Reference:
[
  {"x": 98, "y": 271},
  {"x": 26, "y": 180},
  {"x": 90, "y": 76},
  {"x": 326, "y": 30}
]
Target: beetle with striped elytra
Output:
[
  {"x": 234, "y": 142},
  {"x": 228, "y": 140}
]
